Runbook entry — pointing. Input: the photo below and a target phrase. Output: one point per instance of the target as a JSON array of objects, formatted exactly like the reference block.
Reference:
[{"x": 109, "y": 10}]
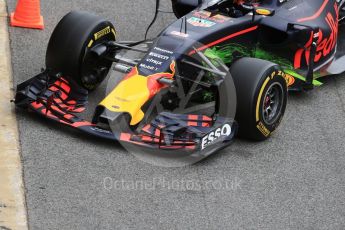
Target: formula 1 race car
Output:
[{"x": 223, "y": 68}]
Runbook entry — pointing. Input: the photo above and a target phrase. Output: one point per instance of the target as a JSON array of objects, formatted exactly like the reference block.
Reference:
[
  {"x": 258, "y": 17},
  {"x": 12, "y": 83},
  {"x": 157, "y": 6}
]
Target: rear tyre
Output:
[
  {"x": 261, "y": 97},
  {"x": 69, "y": 48}
]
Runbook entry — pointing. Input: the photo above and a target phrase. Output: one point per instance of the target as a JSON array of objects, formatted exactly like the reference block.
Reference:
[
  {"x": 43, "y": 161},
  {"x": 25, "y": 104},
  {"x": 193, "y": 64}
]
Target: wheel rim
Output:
[
  {"x": 94, "y": 70},
  {"x": 272, "y": 103}
]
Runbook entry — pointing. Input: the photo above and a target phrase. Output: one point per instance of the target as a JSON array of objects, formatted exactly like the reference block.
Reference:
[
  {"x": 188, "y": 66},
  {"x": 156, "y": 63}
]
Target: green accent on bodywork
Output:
[
  {"x": 228, "y": 52},
  {"x": 300, "y": 77},
  {"x": 283, "y": 62}
]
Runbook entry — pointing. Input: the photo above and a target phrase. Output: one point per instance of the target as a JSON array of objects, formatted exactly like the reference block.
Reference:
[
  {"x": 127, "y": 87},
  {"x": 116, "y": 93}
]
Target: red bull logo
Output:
[
  {"x": 325, "y": 45},
  {"x": 134, "y": 91}
]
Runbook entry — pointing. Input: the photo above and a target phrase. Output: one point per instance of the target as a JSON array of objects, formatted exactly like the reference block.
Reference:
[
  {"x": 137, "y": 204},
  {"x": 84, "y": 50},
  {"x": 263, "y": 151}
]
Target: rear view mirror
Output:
[{"x": 183, "y": 7}]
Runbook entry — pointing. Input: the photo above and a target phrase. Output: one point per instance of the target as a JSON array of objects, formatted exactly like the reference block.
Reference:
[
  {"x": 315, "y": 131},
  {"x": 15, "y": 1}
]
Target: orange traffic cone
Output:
[{"x": 27, "y": 14}]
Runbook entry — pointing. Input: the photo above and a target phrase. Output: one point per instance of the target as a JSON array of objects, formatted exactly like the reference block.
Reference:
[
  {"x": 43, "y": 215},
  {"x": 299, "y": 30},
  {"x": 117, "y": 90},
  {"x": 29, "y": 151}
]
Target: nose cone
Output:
[
  {"x": 134, "y": 91},
  {"x": 129, "y": 96}
]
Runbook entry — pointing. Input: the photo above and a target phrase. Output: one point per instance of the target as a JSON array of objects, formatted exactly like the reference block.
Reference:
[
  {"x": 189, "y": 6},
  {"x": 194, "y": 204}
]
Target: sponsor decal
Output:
[
  {"x": 102, "y": 33},
  {"x": 179, "y": 34},
  {"x": 142, "y": 65},
  {"x": 151, "y": 60},
  {"x": 199, "y": 22},
  {"x": 157, "y": 60},
  {"x": 290, "y": 80},
  {"x": 325, "y": 45},
  {"x": 262, "y": 128},
  {"x": 100, "y": 130},
  {"x": 218, "y": 18},
  {"x": 163, "y": 50},
  {"x": 160, "y": 56},
  {"x": 213, "y": 136}
]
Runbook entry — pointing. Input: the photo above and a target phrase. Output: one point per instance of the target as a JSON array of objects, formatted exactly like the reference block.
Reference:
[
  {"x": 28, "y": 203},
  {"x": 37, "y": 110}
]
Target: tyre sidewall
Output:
[
  {"x": 273, "y": 76},
  {"x": 251, "y": 85},
  {"x": 70, "y": 40},
  {"x": 86, "y": 47}
]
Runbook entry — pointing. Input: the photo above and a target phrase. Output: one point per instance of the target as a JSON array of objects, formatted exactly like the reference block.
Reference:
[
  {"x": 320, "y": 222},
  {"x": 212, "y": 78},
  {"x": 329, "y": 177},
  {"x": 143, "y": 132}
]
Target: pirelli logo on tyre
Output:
[
  {"x": 262, "y": 128},
  {"x": 102, "y": 33}
]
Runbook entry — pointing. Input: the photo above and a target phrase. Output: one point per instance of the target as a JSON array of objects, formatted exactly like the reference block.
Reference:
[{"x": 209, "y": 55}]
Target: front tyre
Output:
[
  {"x": 262, "y": 97},
  {"x": 69, "y": 48}
]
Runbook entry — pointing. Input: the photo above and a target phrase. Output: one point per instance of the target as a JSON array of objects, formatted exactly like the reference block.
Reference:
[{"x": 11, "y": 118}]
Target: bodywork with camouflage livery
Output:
[
  {"x": 236, "y": 57},
  {"x": 286, "y": 37}
]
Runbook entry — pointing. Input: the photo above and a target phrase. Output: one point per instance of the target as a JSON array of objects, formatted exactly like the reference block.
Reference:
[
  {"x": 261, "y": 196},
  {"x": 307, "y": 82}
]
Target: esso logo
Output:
[{"x": 225, "y": 130}]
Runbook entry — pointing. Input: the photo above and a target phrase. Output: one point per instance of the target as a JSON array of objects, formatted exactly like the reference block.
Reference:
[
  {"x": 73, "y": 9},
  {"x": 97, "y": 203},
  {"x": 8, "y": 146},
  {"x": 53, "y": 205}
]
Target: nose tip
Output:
[{"x": 105, "y": 116}]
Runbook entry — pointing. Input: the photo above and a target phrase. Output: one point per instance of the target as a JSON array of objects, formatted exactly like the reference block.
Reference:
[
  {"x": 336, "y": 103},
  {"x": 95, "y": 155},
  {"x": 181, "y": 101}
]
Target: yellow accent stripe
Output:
[
  {"x": 114, "y": 32},
  {"x": 90, "y": 43},
  {"x": 12, "y": 199},
  {"x": 259, "y": 99}
]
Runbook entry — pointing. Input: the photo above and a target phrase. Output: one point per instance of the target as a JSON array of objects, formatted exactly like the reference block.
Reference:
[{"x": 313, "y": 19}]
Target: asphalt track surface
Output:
[{"x": 295, "y": 180}]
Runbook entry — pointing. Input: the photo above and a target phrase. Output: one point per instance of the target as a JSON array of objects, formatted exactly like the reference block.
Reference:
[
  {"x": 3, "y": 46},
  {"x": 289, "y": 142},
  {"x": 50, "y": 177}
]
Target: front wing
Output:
[{"x": 61, "y": 99}]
